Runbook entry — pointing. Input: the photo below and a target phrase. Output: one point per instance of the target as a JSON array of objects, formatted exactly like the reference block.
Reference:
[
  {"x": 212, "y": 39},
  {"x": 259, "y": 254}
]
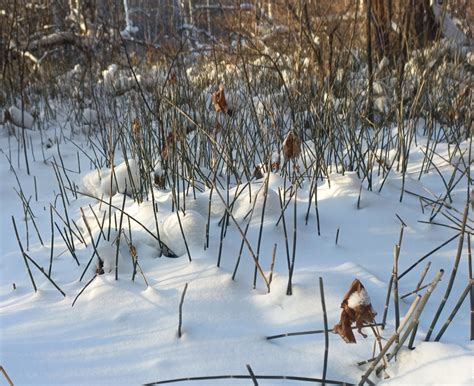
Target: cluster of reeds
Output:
[{"x": 215, "y": 125}]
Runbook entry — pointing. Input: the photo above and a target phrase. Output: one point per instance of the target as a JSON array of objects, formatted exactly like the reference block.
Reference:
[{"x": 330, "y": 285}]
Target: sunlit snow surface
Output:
[{"x": 121, "y": 332}]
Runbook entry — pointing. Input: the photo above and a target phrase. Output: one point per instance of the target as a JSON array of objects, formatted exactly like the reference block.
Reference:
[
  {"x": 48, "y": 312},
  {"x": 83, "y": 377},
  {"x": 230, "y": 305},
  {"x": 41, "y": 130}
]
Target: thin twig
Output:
[
  {"x": 24, "y": 255},
  {"x": 181, "y": 310},
  {"x": 326, "y": 334},
  {"x": 452, "y": 276},
  {"x": 312, "y": 332}
]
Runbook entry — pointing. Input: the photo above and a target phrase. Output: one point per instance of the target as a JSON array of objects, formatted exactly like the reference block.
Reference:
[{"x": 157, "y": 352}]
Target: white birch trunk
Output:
[
  {"x": 208, "y": 18},
  {"x": 190, "y": 4}
]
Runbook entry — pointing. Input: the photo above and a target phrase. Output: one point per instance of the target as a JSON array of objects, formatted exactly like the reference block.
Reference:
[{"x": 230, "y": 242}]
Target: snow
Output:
[
  {"x": 116, "y": 82},
  {"x": 109, "y": 76},
  {"x": 381, "y": 104},
  {"x": 357, "y": 299},
  {"x": 24, "y": 120},
  {"x": 125, "y": 179},
  {"x": 130, "y": 29},
  {"x": 89, "y": 116},
  {"x": 91, "y": 181},
  {"x": 201, "y": 204},
  {"x": 108, "y": 256},
  {"x": 193, "y": 226},
  {"x": 118, "y": 179},
  {"x": 435, "y": 364},
  {"x": 125, "y": 332},
  {"x": 448, "y": 26},
  {"x": 254, "y": 201}
]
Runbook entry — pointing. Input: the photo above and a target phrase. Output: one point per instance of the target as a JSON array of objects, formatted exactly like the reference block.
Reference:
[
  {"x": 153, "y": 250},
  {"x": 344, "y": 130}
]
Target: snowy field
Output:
[
  {"x": 124, "y": 331},
  {"x": 236, "y": 193}
]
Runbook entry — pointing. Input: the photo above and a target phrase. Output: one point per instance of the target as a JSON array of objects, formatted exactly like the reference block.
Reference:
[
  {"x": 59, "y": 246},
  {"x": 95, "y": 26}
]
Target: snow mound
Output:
[
  {"x": 109, "y": 76},
  {"x": 108, "y": 255},
  {"x": 125, "y": 179},
  {"x": 448, "y": 25},
  {"x": 245, "y": 203},
  {"x": 432, "y": 364},
  {"x": 15, "y": 117},
  {"x": 90, "y": 182},
  {"x": 89, "y": 116},
  {"x": 201, "y": 204},
  {"x": 194, "y": 229},
  {"x": 98, "y": 182},
  {"x": 382, "y": 104}
]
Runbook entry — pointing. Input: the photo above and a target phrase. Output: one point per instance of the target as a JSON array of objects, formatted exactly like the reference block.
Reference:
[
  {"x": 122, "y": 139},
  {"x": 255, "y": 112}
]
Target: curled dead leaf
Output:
[
  {"x": 276, "y": 161},
  {"x": 343, "y": 328},
  {"x": 219, "y": 101},
  {"x": 136, "y": 127},
  {"x": 291, "y": 146},
  {"x": 168, "y": 147},
  {"x": 173, "y": 78},
  {"x": 356, "y": 308},
  {"x": 275, "y": 166}
]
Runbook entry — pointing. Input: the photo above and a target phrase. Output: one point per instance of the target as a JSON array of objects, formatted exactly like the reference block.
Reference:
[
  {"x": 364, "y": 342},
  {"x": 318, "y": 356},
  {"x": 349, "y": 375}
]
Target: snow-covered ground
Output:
[{"x": 125, "y": 332}]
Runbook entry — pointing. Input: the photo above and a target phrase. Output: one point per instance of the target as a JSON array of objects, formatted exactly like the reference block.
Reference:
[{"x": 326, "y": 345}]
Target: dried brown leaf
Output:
[
  {"x": 136, "y": 127},
  {"x": 173, "y": 78},
  {"x": 160, "y": 180},
  {"x": 356, "y": 308},
  {"x": 218, "y": 100},
  {"x": 291, "y": 146},
  {"x": 343, "y": 328},
  {"x": 168, "y": 147}
]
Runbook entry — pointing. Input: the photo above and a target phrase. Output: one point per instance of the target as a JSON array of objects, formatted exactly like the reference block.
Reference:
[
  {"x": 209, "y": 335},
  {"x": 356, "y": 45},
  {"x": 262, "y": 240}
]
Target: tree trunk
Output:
[
  {"x": 381, "y": 11},
  {"x": 420, "y": 28},
  {"x": 369, "y": 61}
]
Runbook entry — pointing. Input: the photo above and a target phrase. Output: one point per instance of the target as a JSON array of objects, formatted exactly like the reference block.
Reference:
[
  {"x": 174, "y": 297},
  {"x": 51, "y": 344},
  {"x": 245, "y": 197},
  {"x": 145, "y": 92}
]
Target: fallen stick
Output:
[
  {"x": 414, "y": 291},
  {"x": 420, "y": 282},
  {"x": 427, "y": 255},
  {"x": 267, "y": 377},
  {"x": 41, "y": 269},
  {"x": 312, "y": 332},
  {"x": 252, "y": 375}
]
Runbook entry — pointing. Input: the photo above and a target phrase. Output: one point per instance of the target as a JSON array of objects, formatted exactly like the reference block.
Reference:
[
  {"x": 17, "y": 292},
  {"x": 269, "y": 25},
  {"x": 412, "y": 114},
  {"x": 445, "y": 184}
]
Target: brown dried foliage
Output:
[
  {"x": 136, "y": 127},
  {"x": 168, "y": 148},
  {"x": 160, "y": 180},
  {"x": 218, "y": 100},
  {"x": 275, "y": 166},
  {"x": 360, "y": 315},
  {"x": 173, "y": 78},
  {"x": 291, "y": 146}
]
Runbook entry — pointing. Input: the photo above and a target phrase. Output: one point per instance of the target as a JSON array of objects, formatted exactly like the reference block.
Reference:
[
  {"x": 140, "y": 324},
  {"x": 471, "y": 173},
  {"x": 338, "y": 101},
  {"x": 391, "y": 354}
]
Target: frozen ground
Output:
[{"x": 123, "y": 332}]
